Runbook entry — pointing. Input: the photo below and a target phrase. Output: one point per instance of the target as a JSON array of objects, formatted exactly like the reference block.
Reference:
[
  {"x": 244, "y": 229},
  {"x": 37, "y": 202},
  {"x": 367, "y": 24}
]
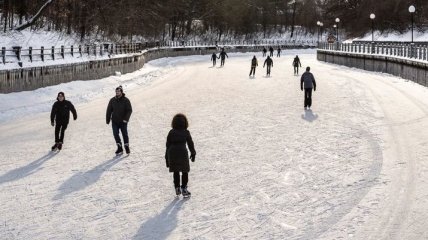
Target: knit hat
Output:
[{"x": 120, "y": 88}]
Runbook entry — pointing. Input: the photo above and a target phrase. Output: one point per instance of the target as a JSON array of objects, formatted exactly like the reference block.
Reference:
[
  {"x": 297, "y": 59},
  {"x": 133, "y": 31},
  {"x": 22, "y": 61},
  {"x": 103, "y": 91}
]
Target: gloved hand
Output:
[
  {"x": 192, "y": 157},
  {"x": 315, "y": 89},
  {"x": 53, "y": 124},
  {"x": 75, "y": 118},
  {"x": 301, "y": 89},
  {"x": 107, "y": 122}
]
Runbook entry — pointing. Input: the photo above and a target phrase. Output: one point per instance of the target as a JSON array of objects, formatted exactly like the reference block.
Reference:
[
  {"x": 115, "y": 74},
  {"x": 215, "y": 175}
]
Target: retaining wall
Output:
[
  {"x": 415, "y": 71},
  {"x": 31, "y": 78}
]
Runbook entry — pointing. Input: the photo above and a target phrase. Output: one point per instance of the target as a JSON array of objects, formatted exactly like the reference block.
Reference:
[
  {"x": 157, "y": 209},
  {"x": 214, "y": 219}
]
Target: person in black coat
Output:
[
  {"x": 278, "y": 54},
  {"x": 214, "y": 58},
  {"x": 296, "y": 64},
  {"x": 222, "y": 57},
  {"x": 264, "y": 51},
  {"x": 254, "y": 64},
  {"x": 271, "y": 51},
  {"x": 176, "y": 155},
  {"x": 119, "y": 111},
  {"x": 269, "y": 63},
  {"x": 60, "y": 116}
]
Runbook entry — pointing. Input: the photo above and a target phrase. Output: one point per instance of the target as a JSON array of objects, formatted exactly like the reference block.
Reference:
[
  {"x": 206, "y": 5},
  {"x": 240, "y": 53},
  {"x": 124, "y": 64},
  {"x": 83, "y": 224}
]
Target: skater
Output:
[
  {"x": 60, "y": 116},
  {"x": 296, "y": 64},
  {"x": 254, "y": 64},
  {"x": 271, "y": 51},
  {"x": 264, "y": 52},
  {"x": 307, "y": 82},
  {"x": 119, "y": 111},
  {"x": 176, "y": 155},
  {"x": 222, "y": 55},
  {"x": 278, "y": 54},
  {"x": 269, "y": 63},
  {"x": 214, "y": 59}
]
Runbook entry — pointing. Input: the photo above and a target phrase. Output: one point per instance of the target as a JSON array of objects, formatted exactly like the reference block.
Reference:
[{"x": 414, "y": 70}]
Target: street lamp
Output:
[
  {"x": 412, "y": 10},
  {"x": 337, "y": 33},
  {"x": 372, "y": 17}
]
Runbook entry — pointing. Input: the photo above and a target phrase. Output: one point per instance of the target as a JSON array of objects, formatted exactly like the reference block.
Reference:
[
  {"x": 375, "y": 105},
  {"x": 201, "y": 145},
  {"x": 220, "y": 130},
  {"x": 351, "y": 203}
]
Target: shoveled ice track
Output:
[{"x": 353, "y": 167}]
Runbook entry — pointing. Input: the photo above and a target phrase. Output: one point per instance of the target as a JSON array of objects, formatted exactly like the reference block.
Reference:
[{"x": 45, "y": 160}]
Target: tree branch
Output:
[{"x": 34, "y": 18}]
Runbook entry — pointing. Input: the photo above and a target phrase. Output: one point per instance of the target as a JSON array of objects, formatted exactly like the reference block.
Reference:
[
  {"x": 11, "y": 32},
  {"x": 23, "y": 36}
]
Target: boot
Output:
[
  {"x": 177, "y": 191},
  {"x": 59, "y": 145},
  {"x": 127, "y": 148},
  {"x": 185, "y": 192},
  {"x": 119, "y": 149},
  {"x": 54, "y": 147}
]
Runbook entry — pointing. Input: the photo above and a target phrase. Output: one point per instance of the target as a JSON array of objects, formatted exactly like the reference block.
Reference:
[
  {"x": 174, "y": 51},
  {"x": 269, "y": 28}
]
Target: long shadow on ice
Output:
[
  {"x": 309, "y": 116},
  {"x": 80, "y": 181},
  {"x": 27, "y": 170},
  {"x": 161, "y": 225}
]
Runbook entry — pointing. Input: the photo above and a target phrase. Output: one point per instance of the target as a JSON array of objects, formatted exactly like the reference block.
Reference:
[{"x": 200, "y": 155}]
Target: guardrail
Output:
[
  {"x": 19, "y": 55},
  {"x": 407, "y": 61},
  {"x": 412, "y": 51}
]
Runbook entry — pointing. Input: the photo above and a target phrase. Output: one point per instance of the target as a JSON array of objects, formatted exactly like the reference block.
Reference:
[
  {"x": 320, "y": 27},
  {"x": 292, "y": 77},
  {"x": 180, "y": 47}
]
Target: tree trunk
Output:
[{"x": 293, "y": 20}]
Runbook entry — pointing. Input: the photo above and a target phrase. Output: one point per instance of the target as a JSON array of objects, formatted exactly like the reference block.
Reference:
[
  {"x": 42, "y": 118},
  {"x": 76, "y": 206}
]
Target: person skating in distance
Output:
[
  {"x": 296, "y": 64},
  {"x": 269, "y": 63},
  {"x": 222, "y": 57},
  {"x": 214, "y": 59},
  {"x": 307, "y": 82},
  {"x": 254, "y": 64}
]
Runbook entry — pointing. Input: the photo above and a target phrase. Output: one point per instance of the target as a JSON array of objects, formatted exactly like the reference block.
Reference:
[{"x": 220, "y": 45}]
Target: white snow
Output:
[
  {"x": 395, "y": 36},
  {"x": 353, "y": 167}
]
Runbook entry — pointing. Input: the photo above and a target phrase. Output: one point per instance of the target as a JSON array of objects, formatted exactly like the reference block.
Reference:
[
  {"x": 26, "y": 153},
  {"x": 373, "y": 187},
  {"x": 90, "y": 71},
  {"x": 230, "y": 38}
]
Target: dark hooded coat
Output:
[{"x": 176, "y": 155}]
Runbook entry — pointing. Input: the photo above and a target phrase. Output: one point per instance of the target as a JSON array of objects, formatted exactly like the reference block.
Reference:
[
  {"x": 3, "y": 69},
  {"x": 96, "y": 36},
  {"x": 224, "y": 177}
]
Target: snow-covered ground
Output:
[
  {"x": 355, "y": 167},
  {"x": 394, "y": 36}
]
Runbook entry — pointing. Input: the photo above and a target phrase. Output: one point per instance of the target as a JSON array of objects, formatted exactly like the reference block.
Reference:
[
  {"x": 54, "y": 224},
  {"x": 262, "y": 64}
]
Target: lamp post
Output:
[
  {"x": 337, "y": 33},
  {"x": 319, "y": 26},
  {"x": 372, "y": 17},
  {"x": 412, "y": 10}
]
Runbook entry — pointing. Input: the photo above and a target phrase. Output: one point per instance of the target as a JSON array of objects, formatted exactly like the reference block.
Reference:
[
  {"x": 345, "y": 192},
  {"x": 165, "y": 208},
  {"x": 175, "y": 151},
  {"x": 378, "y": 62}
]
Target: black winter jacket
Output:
[
  {"x": 269, "y": 62},
  {"x": 60, "y": 112},
  {"x": 118, "y": 110},
  {"x": 176, "y": 155}
]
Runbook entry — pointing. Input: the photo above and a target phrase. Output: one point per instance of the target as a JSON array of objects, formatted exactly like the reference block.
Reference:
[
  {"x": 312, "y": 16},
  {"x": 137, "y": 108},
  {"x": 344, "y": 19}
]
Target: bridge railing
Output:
[
  {"x": 411, "y": 51},
  {"x": 19, "y": 55}
]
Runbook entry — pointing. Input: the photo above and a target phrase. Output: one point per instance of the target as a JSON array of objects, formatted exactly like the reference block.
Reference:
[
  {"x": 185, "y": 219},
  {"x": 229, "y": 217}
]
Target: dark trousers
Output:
[
  {"x": 296, "y": 69},
  {"x": 222, "y": 62},
  {"x": 59, "y": 132},
  {"x": 308, "y": 97},
  {"x": 184, "y": 179},
  {"x": 268, "y": 69},
  {"x": 271, "y": 54},
  {"x": 214, "y": 62},
  {"x": 123, "y": 127},
  {"x": 253, "y": 70},
  {"x": 278, "y": 54},
  {"x": 264, "y": 54}
]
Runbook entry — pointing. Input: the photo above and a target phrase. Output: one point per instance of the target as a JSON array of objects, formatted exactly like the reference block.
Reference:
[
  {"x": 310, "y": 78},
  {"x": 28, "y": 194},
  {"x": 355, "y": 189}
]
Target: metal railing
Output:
[
  {"x": 411, "y": 51},
  {"x": 17, "y": 54}
]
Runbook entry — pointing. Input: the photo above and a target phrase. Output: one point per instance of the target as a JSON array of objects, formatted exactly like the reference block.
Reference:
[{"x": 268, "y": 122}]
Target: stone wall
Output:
[
  {"x": 31, "y": 78},
  {"x": 416, "y": 71}
]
